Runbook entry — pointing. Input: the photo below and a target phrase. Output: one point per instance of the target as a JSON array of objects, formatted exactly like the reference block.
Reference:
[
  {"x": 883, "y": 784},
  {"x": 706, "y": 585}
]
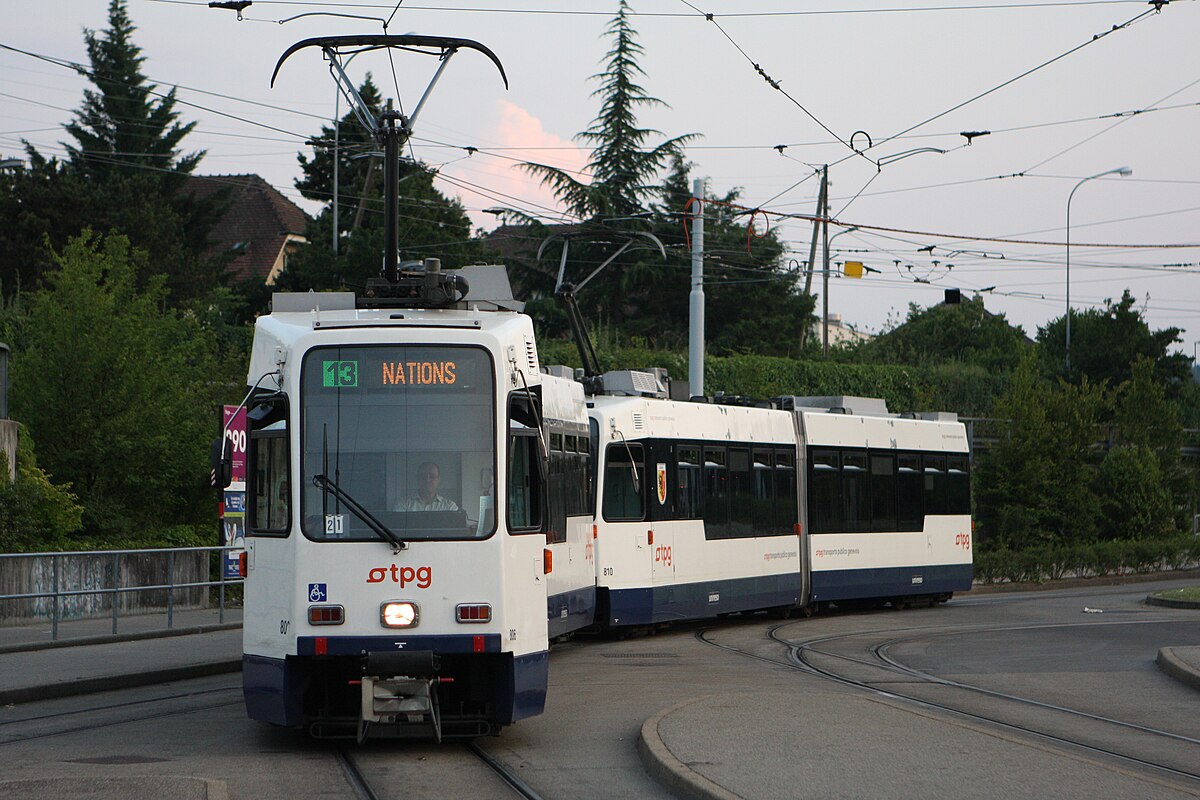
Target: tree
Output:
[
  {"x": 429, "y": 224},
  {"x": 1106, "y": 342},
  {"x": 1036, "y": 484},
  {"x": 35, "y": 513},
  {"x": 751, "y": 302},
  {"x": 964, "y": 333},
  {"x": 124, "y": 172},
  {"x": 622, "y": 170},
  {"x": 119, "y": 391},
  {"x": 120, "y": 125}
]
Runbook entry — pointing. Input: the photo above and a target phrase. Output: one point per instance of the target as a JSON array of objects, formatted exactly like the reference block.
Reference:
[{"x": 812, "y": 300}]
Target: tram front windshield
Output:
[{"x": 406, "y": 433}]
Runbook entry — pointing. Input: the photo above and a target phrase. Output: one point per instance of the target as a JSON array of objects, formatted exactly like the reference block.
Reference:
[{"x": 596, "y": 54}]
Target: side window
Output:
[
  {"x": 935, "y": 483},
  {"x": 856, "y": 503},
  {"x": 269, "y": 492},
  {"x": 958, "y": 481},
  {"x": 688, "y": 493},
  {"x": 624, "y": 482},
  {"x": 526, "y": 499},
  {"x": 558, "y": 487},
  {"x": 883, "y": 491},
  {"x": 763, "y": 512},
  {"x": 716, "y": 493},
  {"x": 910, "y": 506},
  {"x": 825, "y": 485},
  {"x": 741, "y": 493},
  {"x": 786, "y": 515}
]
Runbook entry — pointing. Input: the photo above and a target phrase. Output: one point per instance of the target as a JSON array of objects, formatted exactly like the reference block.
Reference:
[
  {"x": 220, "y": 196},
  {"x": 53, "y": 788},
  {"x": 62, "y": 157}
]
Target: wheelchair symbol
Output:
[{"x": 317, "y": 593}]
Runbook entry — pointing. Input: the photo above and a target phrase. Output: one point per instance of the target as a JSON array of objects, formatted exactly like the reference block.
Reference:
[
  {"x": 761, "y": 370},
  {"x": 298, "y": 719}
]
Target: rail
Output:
[{"x": 58, "y": 593}]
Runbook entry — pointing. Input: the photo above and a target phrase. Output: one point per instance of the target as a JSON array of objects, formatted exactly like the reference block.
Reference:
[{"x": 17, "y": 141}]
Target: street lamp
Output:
[{"x": 1122, "y": 171}]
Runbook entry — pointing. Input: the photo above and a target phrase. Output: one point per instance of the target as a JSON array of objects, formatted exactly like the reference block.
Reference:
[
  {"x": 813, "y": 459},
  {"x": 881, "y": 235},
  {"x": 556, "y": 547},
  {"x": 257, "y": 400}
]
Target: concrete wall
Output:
[{"x": 30, "y": 574}]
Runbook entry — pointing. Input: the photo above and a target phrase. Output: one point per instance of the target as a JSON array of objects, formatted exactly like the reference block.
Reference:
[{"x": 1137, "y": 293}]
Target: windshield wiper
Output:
[{"x": 382, "y": 531}]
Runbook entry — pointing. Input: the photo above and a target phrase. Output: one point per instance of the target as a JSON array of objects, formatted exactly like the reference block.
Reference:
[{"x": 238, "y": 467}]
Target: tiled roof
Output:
[{"x": 259, "y": 224}]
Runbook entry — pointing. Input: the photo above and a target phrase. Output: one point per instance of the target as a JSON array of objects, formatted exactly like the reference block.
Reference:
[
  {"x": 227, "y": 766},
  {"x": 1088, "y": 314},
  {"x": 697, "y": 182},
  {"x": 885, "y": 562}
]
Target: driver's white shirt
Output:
[{"x": 414, "y": 503}]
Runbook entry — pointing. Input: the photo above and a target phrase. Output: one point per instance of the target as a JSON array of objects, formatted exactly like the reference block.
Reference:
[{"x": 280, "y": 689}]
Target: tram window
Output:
[
  {"x": 825, "y": 491},
  {"x": 524, "y": 483},
  {"x": 270, "y": 496},
  {"x": 958, "y": 484},
  {"x": 556, "y": 441},
  {"x": 883, "y": 491},
  {"x": 785, "y": 491},
  {"x": 935, "y": 483},
  {"x": 741, "y": 493},
  {"x": 856, "y": 504},
  {"x": 716, "y": 493},
  {"x": 763, "y": 503},
  {"x": 687, "y": 470},
  {"x": 910, "y": 507},
  {"x": 624, "y": 483}
]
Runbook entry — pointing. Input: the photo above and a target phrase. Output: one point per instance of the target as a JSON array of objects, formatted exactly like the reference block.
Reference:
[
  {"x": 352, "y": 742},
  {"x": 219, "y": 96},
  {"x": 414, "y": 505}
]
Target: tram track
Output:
[
  {"x": 364, "y": 788},
  {"x": 862, "y": 661},
  {"x": 64, "y": 723}
]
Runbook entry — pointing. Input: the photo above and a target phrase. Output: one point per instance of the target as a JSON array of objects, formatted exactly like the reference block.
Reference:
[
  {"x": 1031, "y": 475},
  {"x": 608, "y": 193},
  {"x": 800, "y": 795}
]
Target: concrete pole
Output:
[
  {"x": 696, "y": 298},
  {"x": 337, "y": 157},
  {"x": 825, "y": 271}
]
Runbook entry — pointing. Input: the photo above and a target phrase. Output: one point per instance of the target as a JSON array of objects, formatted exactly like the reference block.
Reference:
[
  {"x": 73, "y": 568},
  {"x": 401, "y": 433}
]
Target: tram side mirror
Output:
[{"x": 222, "y": 463}]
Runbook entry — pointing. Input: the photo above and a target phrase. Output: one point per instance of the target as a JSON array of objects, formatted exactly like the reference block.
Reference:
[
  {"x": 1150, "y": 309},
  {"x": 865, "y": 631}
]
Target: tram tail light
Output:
[
  {"x": 326, "y": 615},
  {"x": 473, "y": 612},
  {"x": 649, "y": 537},
  {"x": 242, "y": 564},
  {"x": 547, "y": 561}
]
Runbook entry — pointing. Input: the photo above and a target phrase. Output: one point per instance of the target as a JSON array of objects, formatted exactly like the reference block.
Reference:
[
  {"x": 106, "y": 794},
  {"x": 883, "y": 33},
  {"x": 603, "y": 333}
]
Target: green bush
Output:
[
  {"x": 1112, "y": 557},
  {"x": 35, "y": 514}
]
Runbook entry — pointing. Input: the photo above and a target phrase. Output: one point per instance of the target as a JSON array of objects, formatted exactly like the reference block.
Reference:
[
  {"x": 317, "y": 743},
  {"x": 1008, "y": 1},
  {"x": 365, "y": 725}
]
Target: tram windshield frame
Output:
[{"x": 405, "y": 431}]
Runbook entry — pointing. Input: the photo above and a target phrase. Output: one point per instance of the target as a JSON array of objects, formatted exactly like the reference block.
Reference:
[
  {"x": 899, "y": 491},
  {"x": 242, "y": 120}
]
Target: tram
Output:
[{"x": 429, "y": 507}]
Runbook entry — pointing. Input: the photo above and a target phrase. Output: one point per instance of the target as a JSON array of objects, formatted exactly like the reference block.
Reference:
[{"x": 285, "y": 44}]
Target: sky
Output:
[{"x": 873, "y": 88}]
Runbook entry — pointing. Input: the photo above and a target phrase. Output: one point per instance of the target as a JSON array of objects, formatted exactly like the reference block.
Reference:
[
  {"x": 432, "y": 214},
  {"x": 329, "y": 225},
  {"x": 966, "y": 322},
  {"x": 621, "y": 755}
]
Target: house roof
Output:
[{"x": 259, "y": 224}]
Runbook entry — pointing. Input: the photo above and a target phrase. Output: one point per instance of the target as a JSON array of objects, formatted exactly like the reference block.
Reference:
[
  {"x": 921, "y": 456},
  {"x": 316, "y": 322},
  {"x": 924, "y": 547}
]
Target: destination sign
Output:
[{"x": 419, "y": 373}]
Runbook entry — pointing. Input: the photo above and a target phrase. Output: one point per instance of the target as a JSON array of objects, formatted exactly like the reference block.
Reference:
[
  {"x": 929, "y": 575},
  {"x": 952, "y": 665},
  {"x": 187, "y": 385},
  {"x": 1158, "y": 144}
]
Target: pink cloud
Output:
[{"x": 506, "y": 183}]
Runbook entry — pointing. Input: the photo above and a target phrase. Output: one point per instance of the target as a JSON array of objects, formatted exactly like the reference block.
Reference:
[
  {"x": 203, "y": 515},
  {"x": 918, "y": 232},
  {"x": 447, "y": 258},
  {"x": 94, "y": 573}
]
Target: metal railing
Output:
[{"x": 58, "y": 593}]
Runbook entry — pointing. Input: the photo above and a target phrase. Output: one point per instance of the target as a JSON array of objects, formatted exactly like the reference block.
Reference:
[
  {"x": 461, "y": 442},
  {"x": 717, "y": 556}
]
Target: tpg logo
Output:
[
  {"x": 963, "y": 540},
  {"x": 662, "y": 554}
]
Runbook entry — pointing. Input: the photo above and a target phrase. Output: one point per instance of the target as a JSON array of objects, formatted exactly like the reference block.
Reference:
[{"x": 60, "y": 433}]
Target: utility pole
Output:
[
  {"x": 696, "y": 298},
  {"x": 825, "y": 272},
  {"x": 812, "y": 248}
]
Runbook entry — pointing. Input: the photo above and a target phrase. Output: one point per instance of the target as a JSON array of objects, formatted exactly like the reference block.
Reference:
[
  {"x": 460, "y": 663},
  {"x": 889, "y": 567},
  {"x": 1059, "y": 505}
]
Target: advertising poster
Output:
[{"x": 233, "y": 506}]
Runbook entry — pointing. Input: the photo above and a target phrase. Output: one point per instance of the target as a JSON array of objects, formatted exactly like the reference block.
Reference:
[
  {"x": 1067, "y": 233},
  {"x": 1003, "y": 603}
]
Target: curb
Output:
[
  {"x": 668, "y": 770},
  {"x": 111, "y": 638},
  {"x": 108, "y": 683},
  {"x": 1177, "y": 668},
  {"x": 1169, "y": 603}
]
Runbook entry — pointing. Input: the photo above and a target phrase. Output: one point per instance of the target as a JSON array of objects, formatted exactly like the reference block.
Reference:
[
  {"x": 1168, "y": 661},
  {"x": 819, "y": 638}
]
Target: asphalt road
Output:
[{"x": 748, "y": 719}]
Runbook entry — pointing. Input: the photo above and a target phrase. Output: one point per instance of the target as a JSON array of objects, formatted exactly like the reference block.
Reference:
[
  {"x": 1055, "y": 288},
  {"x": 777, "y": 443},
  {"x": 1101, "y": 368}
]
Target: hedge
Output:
[{"x": 1038, "y": 564}]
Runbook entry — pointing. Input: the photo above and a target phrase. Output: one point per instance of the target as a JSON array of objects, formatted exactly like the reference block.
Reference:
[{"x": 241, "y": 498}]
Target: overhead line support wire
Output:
[
  {"x": 774, "y": 84},
  {"x": 929, "y": 234}
]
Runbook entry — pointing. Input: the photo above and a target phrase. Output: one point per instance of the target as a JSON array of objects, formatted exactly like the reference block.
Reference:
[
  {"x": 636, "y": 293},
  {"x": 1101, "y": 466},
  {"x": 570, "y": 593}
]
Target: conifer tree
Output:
[
  {"x": 120, "y": 123},
  {"x": 623, "y": 169}
]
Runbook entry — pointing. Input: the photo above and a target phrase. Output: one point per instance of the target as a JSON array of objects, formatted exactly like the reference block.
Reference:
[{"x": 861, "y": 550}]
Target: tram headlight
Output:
[{"x": 399, "y": 614}]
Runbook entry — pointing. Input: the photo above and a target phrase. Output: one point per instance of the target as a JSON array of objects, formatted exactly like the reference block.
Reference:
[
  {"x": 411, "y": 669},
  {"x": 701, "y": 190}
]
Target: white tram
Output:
[
  {"x": 397, "y": 559},
  {"x": 428, "y": 508}
]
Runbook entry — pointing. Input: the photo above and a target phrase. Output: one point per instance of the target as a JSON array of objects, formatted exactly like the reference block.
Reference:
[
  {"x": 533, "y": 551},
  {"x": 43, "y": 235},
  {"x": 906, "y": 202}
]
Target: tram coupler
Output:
[{"x": 399, "y": 691}]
